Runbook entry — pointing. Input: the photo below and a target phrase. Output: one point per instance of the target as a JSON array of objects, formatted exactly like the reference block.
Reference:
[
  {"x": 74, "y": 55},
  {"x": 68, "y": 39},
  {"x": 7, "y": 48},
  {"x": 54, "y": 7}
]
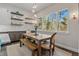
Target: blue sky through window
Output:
[{"x": 64, "y": 13}]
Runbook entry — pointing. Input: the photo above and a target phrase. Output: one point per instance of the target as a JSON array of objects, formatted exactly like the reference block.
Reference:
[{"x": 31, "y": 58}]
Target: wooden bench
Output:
[{"x": 29, "y": 44}]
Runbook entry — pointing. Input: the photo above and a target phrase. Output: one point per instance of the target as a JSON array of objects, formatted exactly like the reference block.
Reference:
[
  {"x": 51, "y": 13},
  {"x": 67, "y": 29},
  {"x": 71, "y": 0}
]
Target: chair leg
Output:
[
  {"x": 33, "y": 53},
  {"x": 49, "y": 52},
  {"x": 20, "y": 44},
  {"x": 53, "y": 51},
  {"x": 43, "y": 52}
]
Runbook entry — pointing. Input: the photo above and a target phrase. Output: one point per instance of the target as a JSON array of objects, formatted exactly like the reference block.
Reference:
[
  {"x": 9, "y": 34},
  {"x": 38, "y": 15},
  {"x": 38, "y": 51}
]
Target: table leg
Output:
[{"x": 39, "y": 48}]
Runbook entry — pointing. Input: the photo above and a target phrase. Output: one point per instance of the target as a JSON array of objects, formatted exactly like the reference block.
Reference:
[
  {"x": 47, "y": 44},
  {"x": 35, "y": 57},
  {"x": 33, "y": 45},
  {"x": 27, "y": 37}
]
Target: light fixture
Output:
[
  {"x": 35, "y": 15},
  {"x": 33, "y": 11},
  {"x": 74, "y": 15},
  {"x": 34, "y": 6}
]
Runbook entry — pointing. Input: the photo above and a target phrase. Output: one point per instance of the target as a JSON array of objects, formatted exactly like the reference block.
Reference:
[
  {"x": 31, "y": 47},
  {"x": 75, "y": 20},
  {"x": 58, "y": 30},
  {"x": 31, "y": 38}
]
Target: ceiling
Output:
[{"x": 28, "y": 6}]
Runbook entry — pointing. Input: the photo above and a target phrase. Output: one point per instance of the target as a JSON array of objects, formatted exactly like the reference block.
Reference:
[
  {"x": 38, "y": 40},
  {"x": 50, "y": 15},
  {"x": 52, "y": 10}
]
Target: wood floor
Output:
[{"x": 16, "y": 50}]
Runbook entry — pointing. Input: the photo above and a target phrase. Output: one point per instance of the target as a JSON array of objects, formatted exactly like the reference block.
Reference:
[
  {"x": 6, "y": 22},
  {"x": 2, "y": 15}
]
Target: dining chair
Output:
[{"x": 49, "y": 45}]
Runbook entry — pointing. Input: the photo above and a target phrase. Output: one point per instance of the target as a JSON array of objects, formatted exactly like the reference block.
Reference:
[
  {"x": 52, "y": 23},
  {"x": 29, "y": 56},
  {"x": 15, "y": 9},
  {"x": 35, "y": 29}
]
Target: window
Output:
[{"x": 55, "y": 21}]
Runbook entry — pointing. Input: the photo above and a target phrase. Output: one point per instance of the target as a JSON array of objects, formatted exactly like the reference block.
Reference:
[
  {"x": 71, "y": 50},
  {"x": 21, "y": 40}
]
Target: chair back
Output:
[{"x": 52, "y": 40}]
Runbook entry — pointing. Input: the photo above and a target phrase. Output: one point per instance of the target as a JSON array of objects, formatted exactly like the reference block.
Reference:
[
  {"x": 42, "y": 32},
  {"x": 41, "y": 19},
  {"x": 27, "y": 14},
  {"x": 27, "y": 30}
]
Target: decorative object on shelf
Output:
[
  {"x": 30, "y": 21},
  {"x": 16, "y": 18},
  {"x": 29, "y": 18}
]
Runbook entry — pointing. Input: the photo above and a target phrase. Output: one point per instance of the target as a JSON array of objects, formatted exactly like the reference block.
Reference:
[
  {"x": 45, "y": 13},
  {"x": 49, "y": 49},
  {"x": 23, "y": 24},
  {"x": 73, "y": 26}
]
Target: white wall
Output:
[
  {"x": 5, "y": 18},
  {"x": 68, "y": 40}
]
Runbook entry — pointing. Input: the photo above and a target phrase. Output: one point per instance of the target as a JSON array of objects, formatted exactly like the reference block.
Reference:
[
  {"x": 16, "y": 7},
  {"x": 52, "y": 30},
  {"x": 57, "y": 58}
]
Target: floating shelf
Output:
[
  {"x": 16, "y": 19},
  {"x": 17, "y": 13},
  {"x": 16, "y": 24},
  {"x": 29, "y": 18},
  {"x": 28, "y": 23}
]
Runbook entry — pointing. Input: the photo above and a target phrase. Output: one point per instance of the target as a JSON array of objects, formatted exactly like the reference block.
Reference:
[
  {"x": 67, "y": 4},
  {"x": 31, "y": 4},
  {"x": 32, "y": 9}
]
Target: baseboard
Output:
[{"x": 69, "y": 48}]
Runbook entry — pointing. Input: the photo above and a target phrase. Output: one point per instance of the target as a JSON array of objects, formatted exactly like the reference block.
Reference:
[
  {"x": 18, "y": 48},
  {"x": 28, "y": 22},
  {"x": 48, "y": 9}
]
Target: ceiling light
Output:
[
  {"x": 34, "y": 6},
  {"x": 33, "y": 11},
  {"x": 35, "y": 15}
]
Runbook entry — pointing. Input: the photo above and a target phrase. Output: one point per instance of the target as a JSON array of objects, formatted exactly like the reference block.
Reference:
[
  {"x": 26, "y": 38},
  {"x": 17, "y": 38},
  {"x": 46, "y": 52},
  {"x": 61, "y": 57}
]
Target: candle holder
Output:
[{"x": 36, "y": 27}]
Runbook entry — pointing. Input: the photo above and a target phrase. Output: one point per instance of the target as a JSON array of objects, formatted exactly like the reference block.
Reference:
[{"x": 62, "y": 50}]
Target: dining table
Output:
[{"x": 38, "y": 38}]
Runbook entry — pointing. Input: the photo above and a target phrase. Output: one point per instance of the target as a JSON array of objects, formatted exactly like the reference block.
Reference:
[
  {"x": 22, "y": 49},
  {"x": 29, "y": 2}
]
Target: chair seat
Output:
[{"x": 46, "y": 46}]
